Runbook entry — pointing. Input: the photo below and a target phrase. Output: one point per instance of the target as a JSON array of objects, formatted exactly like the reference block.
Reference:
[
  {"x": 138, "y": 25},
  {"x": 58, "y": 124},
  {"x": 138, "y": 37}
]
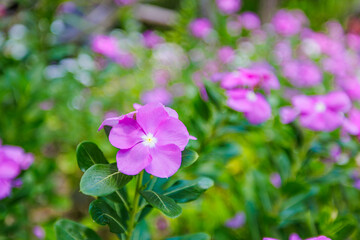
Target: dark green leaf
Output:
[
  {"x": 103, "y": 179},
  {"x": 188, "y": 157},
  {"x": 185, "y": 191},
  {"x": 195, "y": 236},
  {"x": 163, "y": 203},
  {"x": 69, "y": 230},
  {"x": 103, "y": 214},
  {"x": 88, "y": 154}
]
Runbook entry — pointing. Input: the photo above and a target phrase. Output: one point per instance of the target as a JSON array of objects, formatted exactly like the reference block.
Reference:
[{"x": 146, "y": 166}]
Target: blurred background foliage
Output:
[{"x": 48, "y": 110}]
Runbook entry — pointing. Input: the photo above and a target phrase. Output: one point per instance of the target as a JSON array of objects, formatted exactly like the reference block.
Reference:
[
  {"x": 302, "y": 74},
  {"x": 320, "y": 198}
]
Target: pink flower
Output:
[
  {"x": 288, "y": 23},
  {"x": 125, "y": 2},
  {"x": 302, "y": 73},
  {"x": 125, "y": 59},
  {"x": 228, "y": 6},
  {"x": 254, "y": 106},
  {"x": 318, "y": 113},
  {"x": 237, "y": 221},
  {"x": 275, "y": 180},
  {"x": 283, "y": 51},
  {"x": 352, "y": 123},
  {"x": 226, "y": 54},
  {"x": 151, "y": 39},
  {"x": 105, "y": 45},
  {"x": 249, "y": 20},
  {"x": 13, "y": 159},
  {"x": 39, "y": 232},
  {"x": 152, "y": 138},
  {"x": 200, "y": 28},
  {"x": 160, "y": 95},
  {"x": 351, "y": 85},
  {"x": 294, "y": 236}
]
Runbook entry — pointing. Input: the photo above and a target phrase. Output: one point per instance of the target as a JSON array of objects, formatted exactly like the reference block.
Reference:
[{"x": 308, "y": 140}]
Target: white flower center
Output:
[
  {"x": 251, "y": 96},
  {"x": 149, "y": 140},
  {"x": 320, "y": 107}
]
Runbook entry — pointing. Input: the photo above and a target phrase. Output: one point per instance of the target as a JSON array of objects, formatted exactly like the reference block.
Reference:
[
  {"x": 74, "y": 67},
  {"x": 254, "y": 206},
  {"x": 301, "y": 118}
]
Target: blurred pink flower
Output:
[
  {"x": 288, "y": 23},
  {"x": 105, "y": 45},
  {"x": 226, "y": 54},
  {"x": 160, "y": 95},
  {"x": 152, "y": 141},
  {"x": 249, "y": 20},
  {"x": 318, "y": 113},
  {"x": 39, "y": 232},
  {"x": 283, "y": 51},
  {"x": 295, "y": 236},
  {"x": 275, "y": 180},
  {"x": 200, "y": 28},
  {"x": 151, "y": 39},
  {"x": 352, "y": 123},
  {"x": 254, "y": 106},
  {"x": 351, "y": 85},
  {"x": 125, "y": 2},
  {"x": 302, "y": 73},
  {"x": 125, "y": 59},
  {"x": 228, "y": 6}
]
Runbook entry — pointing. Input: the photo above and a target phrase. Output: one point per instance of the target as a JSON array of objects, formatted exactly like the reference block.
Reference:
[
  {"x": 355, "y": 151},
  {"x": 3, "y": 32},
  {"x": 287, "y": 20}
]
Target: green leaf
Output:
[
  {"x": 163, "y": 203},
  {"x": 103, "y": 214},
  {"x": 103, "y": 179},
  {"x": 183, "y": 191},
  {"x": 88, "y": 154},
  {"x": 195, "y": 236},
  {"x": 70, "y": 230},
  {"x": 188, "y": 157}
]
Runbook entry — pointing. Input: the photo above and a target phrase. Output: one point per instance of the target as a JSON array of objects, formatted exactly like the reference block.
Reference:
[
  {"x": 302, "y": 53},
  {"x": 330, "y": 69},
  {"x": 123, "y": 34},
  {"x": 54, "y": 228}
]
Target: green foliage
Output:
[
  {"x": 163, "y": 203},
  {"x": 88, "y": 154},
  {"x": 70, "y": 230}
]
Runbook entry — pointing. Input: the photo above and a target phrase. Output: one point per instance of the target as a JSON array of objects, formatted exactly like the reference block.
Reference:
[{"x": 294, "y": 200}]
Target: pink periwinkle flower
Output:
[
  {"x": 249, "y": 20},
  {"x": 13, "y": 159},
  {"x": 105, "y": 45},
  {"x": 254, "y": 106},
  {"x": 228, "y": 6},
  {"x": 352, "y": 123},
  {"x": 151, "y": 39},
  {"x": 288, "y": 23},
  {"x": 302, "y": 73},
  {"x": 353, "y": 41},
  {"x": 319, "y": 112},
  {"x": 160, "y": 95},
  {"x": 226, "y": 54},
  {"x": 39, "y": 232},
  {"x": 351, "y": 85},
  {"x": 200, "y": 28},
  {"x": 150, "y": 138},
  {"x": 237, "y": 221},
  {"x": 282, "y": 51}
]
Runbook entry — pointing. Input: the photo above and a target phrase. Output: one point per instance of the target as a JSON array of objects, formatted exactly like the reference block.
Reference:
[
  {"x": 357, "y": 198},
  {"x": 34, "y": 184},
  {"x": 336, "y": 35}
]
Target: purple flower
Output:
[
  {"x": 294, "y": 236},
  {"x": 249, "y": 20},
  {"x": 13, "y": 159},
  {"x": 200, "y": 28},
  {"x": 351, "y": 85},
  {"x": 283, "y": 51},
  {"x": 302, "y": 73},
  {"x": 151, "y": 138},
  {"x": 124, "y": 59},
  {"x": 39, "y": 232},
  {"x": 125, "y": 2},
  {"x": 105, "y": 45},
  {"x": 288, "y": 23},
  {"x": 226, "y": 54},
  {"x": 237, "y": 221},
  {"x": 254, "y": 106},
  {"x": 352, "y": 123},
  {"x": 228, "y": 6},
  {"x": 275, "y": 180},
  {"x": 318, "y": 113},
  {"x": 160, "y": 95},
  {"x": 151, "y": 39}
]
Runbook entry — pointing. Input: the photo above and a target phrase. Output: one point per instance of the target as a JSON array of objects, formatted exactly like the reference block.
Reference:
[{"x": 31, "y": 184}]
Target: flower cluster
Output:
[{"x": 13, "y": 159}]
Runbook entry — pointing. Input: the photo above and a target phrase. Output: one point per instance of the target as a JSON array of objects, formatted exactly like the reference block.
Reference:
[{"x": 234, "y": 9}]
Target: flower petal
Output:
[
  {"x": 115, "y": 120},
  {"x": 287, "y": 114},
  {"x": 172, "y": 131},
  {"x": 326, "y": 121},
  {"x": 125, "y": 134},
  {"x": 294, "y": 236},
  {"x": 166, "y": 160},
  {"x": 9, "y": 169},
  {"x": 150, "y": 116},
  {"x": 134, "y": 160},
  {"x": 5, "y": 188},
  {"x": 338, "y": 101}
]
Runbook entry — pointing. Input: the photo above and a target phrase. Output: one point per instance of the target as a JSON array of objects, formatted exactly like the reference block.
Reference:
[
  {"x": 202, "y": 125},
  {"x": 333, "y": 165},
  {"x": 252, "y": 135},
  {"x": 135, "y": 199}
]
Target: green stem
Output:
[{"x": 135, "y": 206}]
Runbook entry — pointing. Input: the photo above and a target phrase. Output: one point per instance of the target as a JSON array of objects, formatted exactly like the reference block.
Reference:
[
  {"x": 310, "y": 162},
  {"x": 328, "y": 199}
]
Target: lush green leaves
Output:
[
  {"x": 188, "y": 157},
  {"x": 88, "y": 154},
  {"x": 163, "y": 203},
  {"x": 103, "y": 214},
  {"x": 103, "y": 179},
  {"x": 185, "y": 191},
  {"x": 69, "y": 230}
]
